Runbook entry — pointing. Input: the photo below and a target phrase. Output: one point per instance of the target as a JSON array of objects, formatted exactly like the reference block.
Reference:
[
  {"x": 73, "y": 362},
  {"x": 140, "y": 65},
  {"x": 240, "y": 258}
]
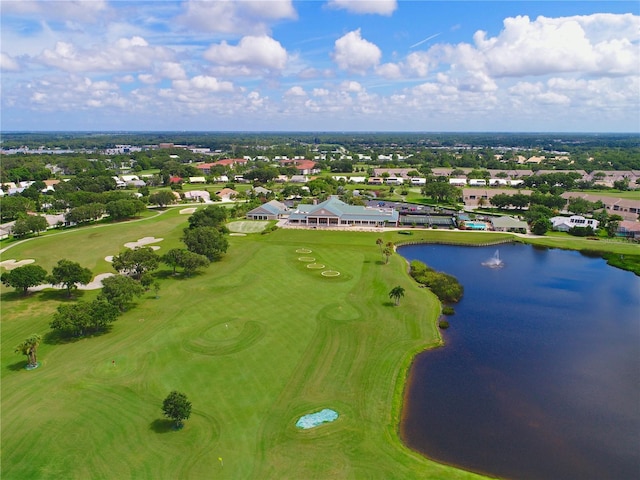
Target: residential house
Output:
[
  {"x": 304, "y": 167},
  {"x": 629, "y": 229},
  {"x": 198, "y": 195},
  {"x": 508, "y": 224},
  {"x": 197, "y": 180},
  {"x": 564, "y": 224},
  {"x": 227, "y": 194},
  {"x": 299, "y": 179},
  {"x": 627, "y": 208},
  {"x": 231, "y": 162}
]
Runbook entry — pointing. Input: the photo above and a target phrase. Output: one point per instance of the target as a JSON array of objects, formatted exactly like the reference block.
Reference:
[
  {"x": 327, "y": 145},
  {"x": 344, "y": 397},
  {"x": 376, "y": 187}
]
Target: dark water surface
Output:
[{"x": 540, "y": 374}]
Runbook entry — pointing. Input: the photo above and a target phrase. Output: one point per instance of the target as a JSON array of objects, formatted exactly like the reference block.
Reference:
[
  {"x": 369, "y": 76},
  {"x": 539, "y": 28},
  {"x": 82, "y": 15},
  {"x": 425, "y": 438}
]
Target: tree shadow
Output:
[
  {"x": 162, "y": 425},
  {"x": 60, "y": 295},
  {"x": 55, "y": 337},
  {"x": 388, "y": 304},
  {"x": 14, "y": 296},
  {"x": 16, "y": 367}
]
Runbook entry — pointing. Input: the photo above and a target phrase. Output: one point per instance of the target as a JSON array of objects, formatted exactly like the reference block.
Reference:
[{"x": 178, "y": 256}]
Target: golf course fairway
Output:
[{"x": 254, "y": 341}]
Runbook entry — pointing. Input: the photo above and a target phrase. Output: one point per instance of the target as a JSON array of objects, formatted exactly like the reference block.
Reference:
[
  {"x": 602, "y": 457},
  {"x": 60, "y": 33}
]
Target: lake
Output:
[{"x": 540, "y": 374}]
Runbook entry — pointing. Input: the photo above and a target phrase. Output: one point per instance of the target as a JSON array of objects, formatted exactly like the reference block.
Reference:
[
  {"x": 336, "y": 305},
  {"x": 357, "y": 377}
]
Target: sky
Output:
[{"x": 325, "y": 65}]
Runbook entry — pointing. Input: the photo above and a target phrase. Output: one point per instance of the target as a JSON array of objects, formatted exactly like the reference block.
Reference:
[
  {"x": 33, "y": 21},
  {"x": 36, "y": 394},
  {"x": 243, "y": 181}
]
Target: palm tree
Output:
[
  {"x": 29, "y": 348},
  {"x": 388, "y": 251},
  {"x": 396, "y": 293},
  {"x": 379, "y": 242}
]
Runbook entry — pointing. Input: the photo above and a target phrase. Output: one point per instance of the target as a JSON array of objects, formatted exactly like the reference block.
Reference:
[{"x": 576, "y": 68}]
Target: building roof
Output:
[
  {"x": 273, "y": 207},
  {"x": 508, "y": 222},
  {"x": 336, "y": 207}
]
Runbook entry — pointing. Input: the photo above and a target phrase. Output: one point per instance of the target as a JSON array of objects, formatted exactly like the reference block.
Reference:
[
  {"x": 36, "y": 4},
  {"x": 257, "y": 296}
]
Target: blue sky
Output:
[{"x": 330, "y": 65}]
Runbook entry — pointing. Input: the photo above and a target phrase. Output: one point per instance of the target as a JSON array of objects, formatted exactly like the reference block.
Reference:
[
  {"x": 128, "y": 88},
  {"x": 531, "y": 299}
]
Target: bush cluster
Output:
[{"x": 446, "y": 287}]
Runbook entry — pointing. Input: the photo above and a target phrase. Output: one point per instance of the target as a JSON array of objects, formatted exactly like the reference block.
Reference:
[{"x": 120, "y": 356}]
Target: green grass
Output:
[{"x": 255, "y": 342}]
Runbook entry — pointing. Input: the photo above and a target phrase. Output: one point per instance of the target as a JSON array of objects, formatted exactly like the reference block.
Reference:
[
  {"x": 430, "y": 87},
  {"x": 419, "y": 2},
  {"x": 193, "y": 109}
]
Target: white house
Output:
[
  {"x": 498, "y": 182},
  {"x": 458, "y": 182},
  {"x": 418, "y": 181},
  {"x": 394, "y": 181},
  {"x": 563, "y": 224},
  {"x": 477, "y": 182}
]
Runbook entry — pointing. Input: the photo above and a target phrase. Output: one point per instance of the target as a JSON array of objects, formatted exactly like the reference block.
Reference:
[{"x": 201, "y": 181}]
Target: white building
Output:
[{"x": 563, "y": 224}]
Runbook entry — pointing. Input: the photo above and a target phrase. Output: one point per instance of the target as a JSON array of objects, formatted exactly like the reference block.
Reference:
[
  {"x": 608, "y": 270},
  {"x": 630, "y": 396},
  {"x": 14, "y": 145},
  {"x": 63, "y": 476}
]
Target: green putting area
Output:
[{"x": 254, "y": 341}]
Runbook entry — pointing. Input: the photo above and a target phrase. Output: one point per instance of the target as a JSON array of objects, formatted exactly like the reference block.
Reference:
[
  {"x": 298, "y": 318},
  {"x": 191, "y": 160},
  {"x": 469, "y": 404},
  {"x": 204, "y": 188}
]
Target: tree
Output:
[
  {"x": 380, "y": 242},
  {"x": 24, "y": 277},
  {"x": 172, "y": 258},
  {"x": 396, "y": 293},
  {"x": 80, "y": 318},
  {"x": 442, "y": 191},
  {"x": 162, "y": 198},
  {"x": 541, "y": 226},
  {"x": 207, "y": 241},
  {"x": 613, "y": 223},
  {"x": 26, "y": 224},
  {"x": 29, "y": 348},
  {"x": 136, "y": 262},
  {"x": 190, "y": 262},
  {"x": 13, "y": 205},
  {"x": 212, "y": 216},
  {"x": 177, "y": 407},
  {"x": 119, "y": 290},
  {"x": 69, "y": 274},
  {"x": 387, "y": 252},
  {"x": 120, "y": 209}
]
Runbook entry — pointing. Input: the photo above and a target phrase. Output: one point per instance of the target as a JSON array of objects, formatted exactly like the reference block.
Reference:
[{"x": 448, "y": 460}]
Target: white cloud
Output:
[
  {"x": 378, "y": 7},
  {"x": 7, "y": 63},
  {"x": 252, "y": 52},
  {"x": 147, "y": 78},
  {"x": 355, "y": 54},
  {"x": 126, "y": 54},
  {"x": 239, "y": 17},
  {"x": 171, "y": 70},
  {"x": 389, "y": 70},
  {"x": 603, "y": 44},
  {"x": 82, "y": 10},
  {"x": 351, "y": 87},
  {"x": 203, "y": 83},
  {"x": 296, "y": 91}
]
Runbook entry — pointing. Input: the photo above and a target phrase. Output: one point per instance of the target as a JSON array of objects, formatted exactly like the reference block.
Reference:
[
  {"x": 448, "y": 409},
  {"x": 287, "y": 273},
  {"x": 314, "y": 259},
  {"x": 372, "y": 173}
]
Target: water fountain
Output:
[{"x": 494, "y": 262}]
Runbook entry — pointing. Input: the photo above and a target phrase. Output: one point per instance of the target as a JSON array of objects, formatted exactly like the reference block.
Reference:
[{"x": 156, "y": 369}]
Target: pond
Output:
[{"x": 540, "y": 374}]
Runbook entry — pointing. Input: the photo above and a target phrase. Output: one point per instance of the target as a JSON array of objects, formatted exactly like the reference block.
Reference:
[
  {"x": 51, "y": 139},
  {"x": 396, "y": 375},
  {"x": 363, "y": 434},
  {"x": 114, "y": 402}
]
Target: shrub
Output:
[
  {"x": 448, "y": 310},
  {"x": 443, "y": 324}
]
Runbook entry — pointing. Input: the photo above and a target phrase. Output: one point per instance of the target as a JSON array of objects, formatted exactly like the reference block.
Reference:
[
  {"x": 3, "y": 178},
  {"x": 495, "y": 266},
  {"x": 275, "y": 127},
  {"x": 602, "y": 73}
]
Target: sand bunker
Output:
[
  {"x": 109, "y": 258},
  {"x": 311, "y": 420},
  {"x": 13, "y": 263},
  {"x": 94, "y": 284},
  {"x": 330, "y": 273},
  {"x": 187, "y": 211},
  {"x": 144, "y": 241},
  {"x": 237, "y": 234}
]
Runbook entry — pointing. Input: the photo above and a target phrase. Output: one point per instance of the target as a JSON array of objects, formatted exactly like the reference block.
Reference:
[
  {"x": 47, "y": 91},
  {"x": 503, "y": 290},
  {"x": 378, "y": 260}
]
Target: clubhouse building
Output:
[{"x": 333, "y": 212}]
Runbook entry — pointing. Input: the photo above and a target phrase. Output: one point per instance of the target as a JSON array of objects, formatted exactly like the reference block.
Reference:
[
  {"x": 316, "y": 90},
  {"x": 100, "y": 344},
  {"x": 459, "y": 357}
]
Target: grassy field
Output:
[{"x": 255, "y": 342}]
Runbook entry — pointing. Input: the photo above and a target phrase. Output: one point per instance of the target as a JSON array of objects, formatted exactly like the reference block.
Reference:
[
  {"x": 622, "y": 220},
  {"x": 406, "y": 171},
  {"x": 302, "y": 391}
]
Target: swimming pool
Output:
[{"x": 475, "y": 225}]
